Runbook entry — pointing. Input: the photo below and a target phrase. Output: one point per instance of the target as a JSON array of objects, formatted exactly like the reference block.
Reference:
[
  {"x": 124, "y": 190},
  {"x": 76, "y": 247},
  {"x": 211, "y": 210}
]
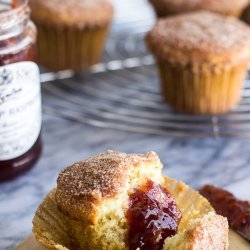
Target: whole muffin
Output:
[
  {"x": 71, "y": 33},
  {"x": 172, "y": 7},
  {"x": 202, "y": 59}
]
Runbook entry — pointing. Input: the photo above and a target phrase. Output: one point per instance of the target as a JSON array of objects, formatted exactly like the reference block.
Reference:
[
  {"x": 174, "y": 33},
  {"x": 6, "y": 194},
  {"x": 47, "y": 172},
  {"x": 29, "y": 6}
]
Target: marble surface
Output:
[{"x": 224, "y": 162}]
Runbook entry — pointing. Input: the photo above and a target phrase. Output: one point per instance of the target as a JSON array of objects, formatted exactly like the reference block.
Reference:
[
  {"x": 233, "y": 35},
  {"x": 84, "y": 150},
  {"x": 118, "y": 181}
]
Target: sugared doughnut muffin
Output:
[
  {"x": 202, "y": 59},
  {"x": 173, "y": 7},
  {"x": 71, "y": 33},
  {"x": 121, "y": 201}
]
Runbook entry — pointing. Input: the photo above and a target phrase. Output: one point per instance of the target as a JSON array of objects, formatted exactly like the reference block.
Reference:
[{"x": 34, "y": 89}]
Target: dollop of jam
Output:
[
  {"x": 152, "y": 216},
  {"x": 226, "y": 204}
]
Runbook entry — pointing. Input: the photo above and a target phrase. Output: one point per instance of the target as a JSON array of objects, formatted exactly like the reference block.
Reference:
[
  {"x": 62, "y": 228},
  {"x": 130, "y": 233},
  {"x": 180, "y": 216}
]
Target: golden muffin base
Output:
[
  {"x": 53, "y": 230},
  {"x": 67, "y": 47},
  {"x": 205, "y": 91}
]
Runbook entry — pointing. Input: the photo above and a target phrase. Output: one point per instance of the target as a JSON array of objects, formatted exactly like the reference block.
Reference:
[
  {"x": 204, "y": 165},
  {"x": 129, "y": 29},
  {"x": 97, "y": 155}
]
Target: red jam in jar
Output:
[
  {"x": 152, "y": 217},
  {"x": 20, "y": 96}
]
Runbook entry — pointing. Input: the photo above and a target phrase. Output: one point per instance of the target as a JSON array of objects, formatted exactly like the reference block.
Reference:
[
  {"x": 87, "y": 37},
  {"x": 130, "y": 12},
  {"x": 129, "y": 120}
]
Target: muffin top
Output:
[
  {"x": 84, "y": 186},
  {"x": 200, "y": 37},
  {"x": 77, "y": 13},
  {"x": 221, "y": 6}
]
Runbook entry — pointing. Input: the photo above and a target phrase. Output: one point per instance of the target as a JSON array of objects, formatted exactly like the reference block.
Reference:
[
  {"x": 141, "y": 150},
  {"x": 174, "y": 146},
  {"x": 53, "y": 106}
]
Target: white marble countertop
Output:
[{"x": 224, "y": 162}]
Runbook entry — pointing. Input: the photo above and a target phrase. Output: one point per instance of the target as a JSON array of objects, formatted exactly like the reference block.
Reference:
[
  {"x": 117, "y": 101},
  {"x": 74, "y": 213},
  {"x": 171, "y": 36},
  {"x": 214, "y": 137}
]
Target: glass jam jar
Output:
[{"x": 20, "y": 95}]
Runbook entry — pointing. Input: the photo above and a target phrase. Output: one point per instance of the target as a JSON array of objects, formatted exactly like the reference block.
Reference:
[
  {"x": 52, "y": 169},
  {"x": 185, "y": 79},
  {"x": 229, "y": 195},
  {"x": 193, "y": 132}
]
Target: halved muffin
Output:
[{"x": 122, "y": 201}]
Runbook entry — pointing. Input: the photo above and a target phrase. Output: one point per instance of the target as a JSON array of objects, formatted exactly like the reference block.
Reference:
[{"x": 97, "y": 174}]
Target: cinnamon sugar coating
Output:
[
  {"x": 79, "y": 13},
  {"x": 226, "y": 7},
  {"x": 200, "y": 37},
  {"x": 82, "y": 187}
]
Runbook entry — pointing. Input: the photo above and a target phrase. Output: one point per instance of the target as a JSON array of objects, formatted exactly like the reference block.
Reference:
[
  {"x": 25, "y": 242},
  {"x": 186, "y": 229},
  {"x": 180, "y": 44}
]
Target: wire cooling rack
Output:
[{"x": 123, "y": 93}]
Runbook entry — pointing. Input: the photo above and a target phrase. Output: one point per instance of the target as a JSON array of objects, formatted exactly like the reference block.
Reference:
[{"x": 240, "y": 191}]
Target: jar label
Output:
[{"x": 20, "y": 108}]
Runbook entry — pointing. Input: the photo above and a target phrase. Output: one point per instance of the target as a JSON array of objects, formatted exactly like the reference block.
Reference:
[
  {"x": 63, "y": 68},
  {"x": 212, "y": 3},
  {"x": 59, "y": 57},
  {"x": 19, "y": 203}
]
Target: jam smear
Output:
[
  {"x": 226, "y": 204},
  {"x": 152, "y": 216},
  {"x": 15, "y": 3}
]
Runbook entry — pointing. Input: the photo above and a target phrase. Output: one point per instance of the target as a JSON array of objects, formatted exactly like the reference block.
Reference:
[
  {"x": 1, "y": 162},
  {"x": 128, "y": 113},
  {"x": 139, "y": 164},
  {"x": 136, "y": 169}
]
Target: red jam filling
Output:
[{"x": 152, "y": 216}]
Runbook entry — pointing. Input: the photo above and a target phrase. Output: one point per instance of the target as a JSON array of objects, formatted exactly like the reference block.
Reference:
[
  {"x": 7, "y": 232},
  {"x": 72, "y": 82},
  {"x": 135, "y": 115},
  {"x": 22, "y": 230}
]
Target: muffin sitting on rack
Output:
[
  {"x": 173, "y": 7},
  {"x": 202, "y": 59},
  {"x": 121, "y": 201},
  {"x": 71, "y": 33}
]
